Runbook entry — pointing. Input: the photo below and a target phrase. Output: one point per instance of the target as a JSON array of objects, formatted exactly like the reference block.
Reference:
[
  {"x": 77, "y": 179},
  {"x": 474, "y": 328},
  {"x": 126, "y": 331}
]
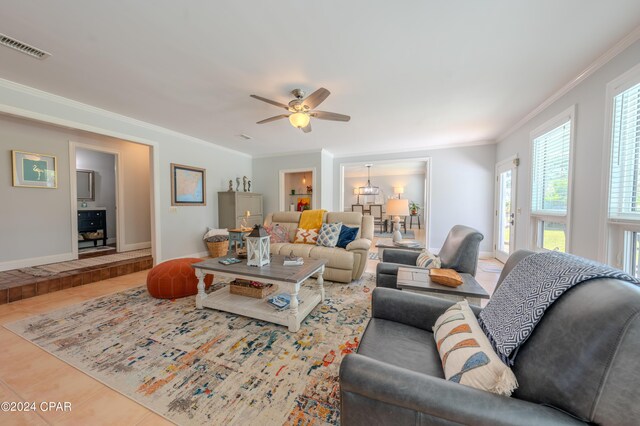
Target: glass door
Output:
[{"x": 505, "y": 209}]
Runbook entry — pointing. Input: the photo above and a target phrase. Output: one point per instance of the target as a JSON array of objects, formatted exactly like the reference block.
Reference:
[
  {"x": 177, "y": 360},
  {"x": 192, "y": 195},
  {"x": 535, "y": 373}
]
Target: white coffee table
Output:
[{"x": 289, "y": 279}]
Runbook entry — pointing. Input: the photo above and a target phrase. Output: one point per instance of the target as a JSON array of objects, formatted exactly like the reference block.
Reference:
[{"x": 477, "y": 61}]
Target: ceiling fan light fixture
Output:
[{"x": 299, "y": 119}]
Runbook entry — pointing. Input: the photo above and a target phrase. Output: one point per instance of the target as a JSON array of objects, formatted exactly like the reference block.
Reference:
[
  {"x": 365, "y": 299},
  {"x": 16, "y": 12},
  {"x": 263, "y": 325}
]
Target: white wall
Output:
[
  {"x": 266, "y": 173},
  {"x": 180, "y": 229},
  {"x": 103, "y": 164},
  {"x": 326, "y": 173},
  {"x": 413, "y": 188},
  {"x": 461, "y": 188},
  {"x": 590, "y": 99}
]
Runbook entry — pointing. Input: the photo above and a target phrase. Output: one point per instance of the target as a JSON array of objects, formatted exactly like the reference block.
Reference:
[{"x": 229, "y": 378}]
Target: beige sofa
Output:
[{"x": 342, "y": 265}]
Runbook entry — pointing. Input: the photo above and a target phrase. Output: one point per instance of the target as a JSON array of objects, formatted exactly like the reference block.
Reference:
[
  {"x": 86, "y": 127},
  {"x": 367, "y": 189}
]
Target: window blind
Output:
[
  {"x": 624, "y": 190},
  {"x": 550, "y": 171}
]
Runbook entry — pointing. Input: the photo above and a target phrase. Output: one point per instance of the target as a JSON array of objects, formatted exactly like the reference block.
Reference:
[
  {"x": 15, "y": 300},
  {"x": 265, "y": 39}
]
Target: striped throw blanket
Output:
[{"x": 530, "y": 288}]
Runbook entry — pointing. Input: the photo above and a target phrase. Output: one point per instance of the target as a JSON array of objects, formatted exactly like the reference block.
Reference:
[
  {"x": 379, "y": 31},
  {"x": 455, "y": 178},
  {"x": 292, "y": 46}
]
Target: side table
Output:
[
  {"x": 417, "y": 216},
  {"x": 418, "y": 280}
]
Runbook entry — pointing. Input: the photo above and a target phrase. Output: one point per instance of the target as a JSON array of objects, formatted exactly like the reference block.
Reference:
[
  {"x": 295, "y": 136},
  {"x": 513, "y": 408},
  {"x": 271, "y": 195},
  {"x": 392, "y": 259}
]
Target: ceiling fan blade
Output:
[
  {"x": 277, "y": 117},
  {"x": 307, "y": 128},
  {"x": 316, "y": 98},
  {"x": 323, "y": 115},
  {"x": 269, "y": 101}
]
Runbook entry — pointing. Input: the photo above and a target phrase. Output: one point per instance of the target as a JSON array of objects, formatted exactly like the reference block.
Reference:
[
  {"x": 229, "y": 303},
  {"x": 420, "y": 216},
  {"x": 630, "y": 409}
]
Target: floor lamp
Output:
[{"x": 397, "y": 207}]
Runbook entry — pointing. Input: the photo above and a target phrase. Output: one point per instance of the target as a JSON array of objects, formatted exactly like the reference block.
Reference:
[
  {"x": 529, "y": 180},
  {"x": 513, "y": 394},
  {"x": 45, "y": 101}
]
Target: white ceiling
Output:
[
  {"x": 399, "y": 168},
  {"x": 411, "y": 74}
]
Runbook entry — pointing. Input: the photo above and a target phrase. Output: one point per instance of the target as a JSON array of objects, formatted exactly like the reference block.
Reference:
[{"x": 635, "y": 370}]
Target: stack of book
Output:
[
  {"x": 280, "y": 301},
  {"x": 293, "y": 261}
]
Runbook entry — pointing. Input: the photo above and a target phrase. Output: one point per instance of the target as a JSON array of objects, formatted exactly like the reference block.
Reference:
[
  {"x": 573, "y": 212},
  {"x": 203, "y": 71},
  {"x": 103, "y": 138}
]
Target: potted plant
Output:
[{"x": 413, "y": 208}]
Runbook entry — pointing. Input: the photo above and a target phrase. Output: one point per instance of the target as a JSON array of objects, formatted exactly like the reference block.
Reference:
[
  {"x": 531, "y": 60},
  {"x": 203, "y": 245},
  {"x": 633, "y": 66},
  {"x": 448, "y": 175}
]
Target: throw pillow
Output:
[
  {"x": 278, "y": 233},
  {"x": 347, "y": 235},
  {"x": 467, "y": 355},
  {"x": 329, "y": 234},
  {"x": 306, "y": 236},
  {"x": 428, "y": 260}
]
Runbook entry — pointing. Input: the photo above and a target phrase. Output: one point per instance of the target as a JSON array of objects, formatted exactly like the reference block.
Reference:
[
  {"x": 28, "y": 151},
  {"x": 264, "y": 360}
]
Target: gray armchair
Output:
[
  {"x": 578, "y": 366},
  {"x": 459, "y": 252}
]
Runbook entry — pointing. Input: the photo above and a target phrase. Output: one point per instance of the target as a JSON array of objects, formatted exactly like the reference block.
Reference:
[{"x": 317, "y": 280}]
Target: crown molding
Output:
[
  {"x": 418, "y": 150},
  {"x": 602, "y": 60},
  {"x": 30, "y": 91}
]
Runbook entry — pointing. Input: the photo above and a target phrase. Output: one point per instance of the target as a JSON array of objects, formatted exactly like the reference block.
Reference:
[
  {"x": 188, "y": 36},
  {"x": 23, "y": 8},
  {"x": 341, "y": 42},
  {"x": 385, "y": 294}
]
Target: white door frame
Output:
[
  {"x": 426, "y": 211},
  {"x": 282, "y": 191},
  {"x": 120, "y": 209},
  {"x": 512, "y": 161}
]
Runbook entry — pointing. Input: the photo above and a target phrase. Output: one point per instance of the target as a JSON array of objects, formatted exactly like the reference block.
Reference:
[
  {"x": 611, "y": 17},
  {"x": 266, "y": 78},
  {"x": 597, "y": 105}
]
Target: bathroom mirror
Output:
[{"x": 86, "y": 185}]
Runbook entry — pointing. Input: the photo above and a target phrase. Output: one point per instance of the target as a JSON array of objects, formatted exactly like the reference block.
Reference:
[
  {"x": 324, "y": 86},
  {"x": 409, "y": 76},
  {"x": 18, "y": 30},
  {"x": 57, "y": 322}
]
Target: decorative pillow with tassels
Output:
[
  {"x": 428, "y": 260},
  {"x": 277, "y": 233},
  {"x": 467, "y": 355}
]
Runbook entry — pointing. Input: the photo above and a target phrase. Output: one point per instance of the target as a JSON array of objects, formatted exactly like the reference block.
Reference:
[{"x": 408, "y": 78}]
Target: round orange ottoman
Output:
[{"x": 175, "y": 278}]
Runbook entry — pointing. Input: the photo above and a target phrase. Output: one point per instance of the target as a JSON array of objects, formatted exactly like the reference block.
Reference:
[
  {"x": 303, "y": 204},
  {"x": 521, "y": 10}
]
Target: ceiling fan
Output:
[{"x": 301, "y": 110}]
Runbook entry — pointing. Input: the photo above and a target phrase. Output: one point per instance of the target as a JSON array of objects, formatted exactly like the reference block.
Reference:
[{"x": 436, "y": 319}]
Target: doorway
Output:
[
  {"x": 505, "y": 196},
  {"x": 408, "y": 178},
  {"x": 97, "y": 206},
  {"x": 132, "y": 211}
]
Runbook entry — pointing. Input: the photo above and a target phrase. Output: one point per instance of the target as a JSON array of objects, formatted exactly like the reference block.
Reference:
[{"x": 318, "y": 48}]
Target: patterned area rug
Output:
[
  {"x": 57, "y": 268},
  {"x": 206, "y": 366}
]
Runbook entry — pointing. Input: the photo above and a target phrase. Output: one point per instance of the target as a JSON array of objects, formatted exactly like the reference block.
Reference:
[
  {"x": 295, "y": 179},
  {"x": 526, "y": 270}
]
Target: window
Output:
[
  {"x": 550, "y": 183},
  {"x": 624, "y": 177},
  {"x": 624, "y": 181}
]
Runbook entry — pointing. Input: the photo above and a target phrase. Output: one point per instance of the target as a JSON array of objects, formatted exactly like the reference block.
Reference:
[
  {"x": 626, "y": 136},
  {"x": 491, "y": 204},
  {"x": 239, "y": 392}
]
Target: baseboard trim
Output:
[
  {"x": 135, "y": 246},
  {"x": 199, "y": 254},
  {"x": 486, "y": 255},
  {"x": 36, "y": 261}
]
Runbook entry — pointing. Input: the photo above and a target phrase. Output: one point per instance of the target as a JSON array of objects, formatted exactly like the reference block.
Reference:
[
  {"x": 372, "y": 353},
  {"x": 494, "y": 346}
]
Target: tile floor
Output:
[{"x": 28, "y": 373}]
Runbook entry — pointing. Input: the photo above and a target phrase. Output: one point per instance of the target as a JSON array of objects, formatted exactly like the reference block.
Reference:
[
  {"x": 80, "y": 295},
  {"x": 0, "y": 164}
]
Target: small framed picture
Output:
[
  {"x": 34, "y": 170},
  {"x": 188, "y": 186}
]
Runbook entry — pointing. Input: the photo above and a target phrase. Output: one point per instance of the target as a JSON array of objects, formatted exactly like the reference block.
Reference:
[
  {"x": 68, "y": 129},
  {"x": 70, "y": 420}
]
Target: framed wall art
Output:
[
  {"x": 34, "y": 170},
  {"x": 188, "y": 186}
]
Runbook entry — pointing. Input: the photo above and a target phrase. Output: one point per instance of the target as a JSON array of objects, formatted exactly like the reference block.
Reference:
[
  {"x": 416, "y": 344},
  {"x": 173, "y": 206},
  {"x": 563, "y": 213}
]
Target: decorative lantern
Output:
[{"x": 258, "y": 247}]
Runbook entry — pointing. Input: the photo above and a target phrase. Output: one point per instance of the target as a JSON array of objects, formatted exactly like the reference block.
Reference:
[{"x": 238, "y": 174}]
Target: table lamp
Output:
[{"x": 397, "y": 207}]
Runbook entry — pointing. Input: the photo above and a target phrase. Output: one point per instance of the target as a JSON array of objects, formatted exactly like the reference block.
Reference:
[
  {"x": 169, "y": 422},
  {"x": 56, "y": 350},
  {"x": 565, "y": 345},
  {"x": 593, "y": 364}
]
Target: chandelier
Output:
[{"x": 368, "y": 189}]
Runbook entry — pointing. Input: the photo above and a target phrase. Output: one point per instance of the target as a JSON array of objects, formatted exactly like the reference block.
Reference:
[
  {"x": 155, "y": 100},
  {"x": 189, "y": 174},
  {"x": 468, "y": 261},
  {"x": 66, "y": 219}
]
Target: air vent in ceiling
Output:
[
  {"x": 23, "y": 47},
  {"x": 243, "y": 136}
]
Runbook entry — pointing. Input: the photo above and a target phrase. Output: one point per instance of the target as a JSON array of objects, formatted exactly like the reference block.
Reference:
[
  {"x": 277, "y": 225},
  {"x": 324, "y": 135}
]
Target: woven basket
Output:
[
  {"x": 256, "y": 293},
  {"x": 218, "y": 249}
]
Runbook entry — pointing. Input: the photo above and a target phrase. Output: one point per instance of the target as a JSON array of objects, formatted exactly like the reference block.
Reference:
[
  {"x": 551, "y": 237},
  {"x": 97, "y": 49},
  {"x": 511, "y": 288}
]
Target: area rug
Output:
[
  {"x": 206, "y": 366},
  {"x": 373, "y": 255},
  {"x": 408, "y": 235},
  {"x": 57, "y": 268}
]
